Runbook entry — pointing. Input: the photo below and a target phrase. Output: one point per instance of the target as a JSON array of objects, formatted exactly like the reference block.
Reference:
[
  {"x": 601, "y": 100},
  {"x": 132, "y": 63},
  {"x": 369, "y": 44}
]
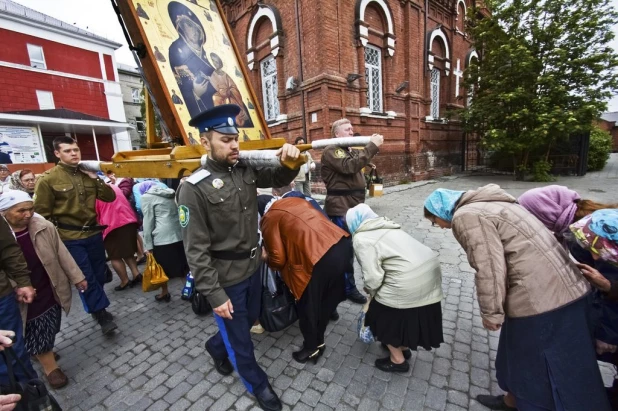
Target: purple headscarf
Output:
[
  {"x": 554, "y": 206},
  {"x": 147, "y": 185}
]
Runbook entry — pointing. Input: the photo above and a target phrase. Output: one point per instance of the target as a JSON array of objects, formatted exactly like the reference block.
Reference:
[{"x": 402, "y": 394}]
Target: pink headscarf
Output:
[{"x": 554, "y": 206}]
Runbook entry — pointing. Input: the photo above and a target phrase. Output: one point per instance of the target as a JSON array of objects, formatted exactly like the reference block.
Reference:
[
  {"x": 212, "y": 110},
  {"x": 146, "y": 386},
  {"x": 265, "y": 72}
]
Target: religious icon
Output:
[
  {"x": 141, "y": 12},
  {"x": 158, "y": 55},
  {"x": 175, "y": 98},
  {"x": 227, "y": 92}
]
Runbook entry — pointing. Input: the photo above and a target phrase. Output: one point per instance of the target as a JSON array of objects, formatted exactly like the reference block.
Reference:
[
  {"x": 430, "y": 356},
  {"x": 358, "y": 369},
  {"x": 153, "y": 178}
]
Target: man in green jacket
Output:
[
  {"x": 13, "y": 268},
  {"x": 66, "y": 196}
]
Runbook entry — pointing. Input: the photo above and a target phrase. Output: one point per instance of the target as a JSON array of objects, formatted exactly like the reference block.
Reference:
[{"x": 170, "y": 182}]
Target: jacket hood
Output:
[
  {"x": 161, "y": 192},
  {"x": 377, "y": 224},
  {"x": 488, "y": 193}
]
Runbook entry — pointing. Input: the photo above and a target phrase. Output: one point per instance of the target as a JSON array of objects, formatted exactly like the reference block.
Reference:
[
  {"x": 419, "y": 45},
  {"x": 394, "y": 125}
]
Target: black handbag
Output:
[
  {"x": 34, "y": 394},
  {"x": 374, "y": 178},
  {"x": 199, "y": 303},
  {"x": 279, "y": 308}
]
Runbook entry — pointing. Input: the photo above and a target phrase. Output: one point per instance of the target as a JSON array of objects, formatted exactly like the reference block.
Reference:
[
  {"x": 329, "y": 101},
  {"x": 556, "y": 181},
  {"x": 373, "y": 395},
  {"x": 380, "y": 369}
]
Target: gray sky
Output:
[{"x": 97, "y": 16}]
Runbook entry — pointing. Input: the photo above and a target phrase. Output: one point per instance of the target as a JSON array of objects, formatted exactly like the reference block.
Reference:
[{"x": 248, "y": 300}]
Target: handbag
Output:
[
  {"x": 199, "y": 303},
  {"x": 34, "y": 394},
  {"x": 375, "y": 184},
  {"x": 364, "y": 332},
  {"x": 153, "y": 276},
  {"x": 278, "y": 308}
]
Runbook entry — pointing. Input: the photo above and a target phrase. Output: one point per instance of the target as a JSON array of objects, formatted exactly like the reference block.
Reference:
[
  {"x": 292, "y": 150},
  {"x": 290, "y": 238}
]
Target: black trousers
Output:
[{"x": 325, "y": 290}]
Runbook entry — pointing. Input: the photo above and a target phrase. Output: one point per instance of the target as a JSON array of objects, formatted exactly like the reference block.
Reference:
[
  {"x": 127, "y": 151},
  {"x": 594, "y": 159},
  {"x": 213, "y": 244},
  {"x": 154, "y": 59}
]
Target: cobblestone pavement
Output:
[{"x": 156, "y": 360}]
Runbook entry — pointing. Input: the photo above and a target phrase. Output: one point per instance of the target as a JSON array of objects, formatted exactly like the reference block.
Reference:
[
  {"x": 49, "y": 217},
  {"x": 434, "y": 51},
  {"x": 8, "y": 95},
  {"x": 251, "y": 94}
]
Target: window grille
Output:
[
  {"x": 373, "y": 77},
  {"x": 435, "y": 94},
  {"x": 269, "y": 88}
]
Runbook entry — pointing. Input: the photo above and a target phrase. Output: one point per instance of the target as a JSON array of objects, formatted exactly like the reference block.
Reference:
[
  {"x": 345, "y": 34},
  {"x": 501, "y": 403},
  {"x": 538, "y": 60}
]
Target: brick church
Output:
[{"x": 393, "y": 67}]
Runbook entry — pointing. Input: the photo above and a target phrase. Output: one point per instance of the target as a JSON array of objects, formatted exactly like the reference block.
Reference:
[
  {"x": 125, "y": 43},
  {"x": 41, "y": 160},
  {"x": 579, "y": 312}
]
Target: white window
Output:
[
  {"x": 269, "y": 88},
  {"x": 46, "y": 100},
  {"x": 435, "y": 94},
  {"x": 136, "y": 95},
  {"x": 373, "y": 77},
  {"x": 37, "y": 59}
]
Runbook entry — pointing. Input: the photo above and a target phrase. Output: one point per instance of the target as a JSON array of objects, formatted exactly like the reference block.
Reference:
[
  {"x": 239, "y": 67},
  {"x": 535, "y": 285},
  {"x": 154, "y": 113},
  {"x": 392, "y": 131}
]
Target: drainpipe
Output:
[
  {"x": 425, "y": 36},
  {"x": 300, "y": 65}
]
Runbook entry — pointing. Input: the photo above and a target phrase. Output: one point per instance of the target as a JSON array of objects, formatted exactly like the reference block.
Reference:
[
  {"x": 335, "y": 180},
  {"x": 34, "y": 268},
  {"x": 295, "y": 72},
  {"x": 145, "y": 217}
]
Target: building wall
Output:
[
  {"x": 128, "y": 82},
  {"x": 331, "y": 47}
]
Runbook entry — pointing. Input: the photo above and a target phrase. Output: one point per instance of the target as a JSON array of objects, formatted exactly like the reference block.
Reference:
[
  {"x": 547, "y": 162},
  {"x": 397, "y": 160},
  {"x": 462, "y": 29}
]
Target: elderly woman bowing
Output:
[
  {"x": 404, "y": 278},
  {"x": 53, "y": 270},
  {"x": 528, "y": 288}
]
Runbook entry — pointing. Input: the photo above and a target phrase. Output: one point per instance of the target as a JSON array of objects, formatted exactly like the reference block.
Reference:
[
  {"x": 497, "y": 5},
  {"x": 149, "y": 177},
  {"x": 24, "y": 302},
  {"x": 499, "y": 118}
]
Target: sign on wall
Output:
[
  {"x": 191, "y": 55},
  {"x": 20, "y": 145}
]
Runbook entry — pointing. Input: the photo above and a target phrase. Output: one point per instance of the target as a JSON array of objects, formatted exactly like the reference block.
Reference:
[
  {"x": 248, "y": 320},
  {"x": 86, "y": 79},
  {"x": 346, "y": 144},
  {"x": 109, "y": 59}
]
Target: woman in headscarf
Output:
[
  {"x": 162, "y": 236},
  {"x": 141, "y": 187},
  {"x": 23, "y": 180},
  {"x": 528, "y": 288},
  {"x": 53, "y": 271},
  {"x": 404, "y": 279},
  {"x": 120, "y": 237},
  {"x": 312, "y": 254}
]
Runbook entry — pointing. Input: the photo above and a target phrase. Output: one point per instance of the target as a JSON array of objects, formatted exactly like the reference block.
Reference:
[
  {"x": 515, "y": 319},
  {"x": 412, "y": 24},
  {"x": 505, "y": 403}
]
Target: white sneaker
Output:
[{"x": 257, "y": 329}]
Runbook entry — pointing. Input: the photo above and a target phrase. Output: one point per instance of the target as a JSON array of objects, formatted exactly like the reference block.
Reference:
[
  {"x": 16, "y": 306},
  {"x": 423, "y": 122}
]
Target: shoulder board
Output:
[{"x": 198, "y": 176}]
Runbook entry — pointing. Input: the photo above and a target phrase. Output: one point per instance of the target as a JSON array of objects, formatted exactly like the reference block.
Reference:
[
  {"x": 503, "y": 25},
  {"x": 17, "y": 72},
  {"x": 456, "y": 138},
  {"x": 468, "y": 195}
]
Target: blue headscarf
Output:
[
  {"x": 604, "y": 223},
  {"x": 357, "y": 215},
  {"x": 441, "y": 203}
]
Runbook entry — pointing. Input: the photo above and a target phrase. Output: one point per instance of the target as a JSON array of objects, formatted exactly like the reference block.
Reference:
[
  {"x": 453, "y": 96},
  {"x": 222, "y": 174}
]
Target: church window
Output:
[
  {"x": 373, "y": 77},
  {"x": 268, "y": 71},
  {"x": 435, "y": 93}
]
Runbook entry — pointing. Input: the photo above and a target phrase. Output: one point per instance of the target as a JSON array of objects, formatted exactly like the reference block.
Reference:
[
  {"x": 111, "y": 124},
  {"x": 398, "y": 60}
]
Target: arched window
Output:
[
  {"x": 438, "y": 65},
  {"x": 460, "y": 18},
  {"x": 471, "y": 57},
  {"x": 374, "y": 26},
  {"x": 264, "y": 46}
]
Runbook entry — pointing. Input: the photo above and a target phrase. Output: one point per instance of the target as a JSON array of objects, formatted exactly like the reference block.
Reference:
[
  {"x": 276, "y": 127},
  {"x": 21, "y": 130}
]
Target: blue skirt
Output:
[{"x": 549, "y": 360}]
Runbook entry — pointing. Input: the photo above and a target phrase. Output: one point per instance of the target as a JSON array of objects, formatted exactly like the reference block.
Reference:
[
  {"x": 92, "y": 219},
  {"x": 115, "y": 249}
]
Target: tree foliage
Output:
[
  {"x": 600, "y": 149},
  {"x": 545, "y": 70}
]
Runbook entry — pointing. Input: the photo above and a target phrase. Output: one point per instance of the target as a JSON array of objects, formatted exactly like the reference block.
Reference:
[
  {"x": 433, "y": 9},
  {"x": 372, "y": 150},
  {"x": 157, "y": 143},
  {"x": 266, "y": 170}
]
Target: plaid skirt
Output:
[{"x": 41, "y": 331}]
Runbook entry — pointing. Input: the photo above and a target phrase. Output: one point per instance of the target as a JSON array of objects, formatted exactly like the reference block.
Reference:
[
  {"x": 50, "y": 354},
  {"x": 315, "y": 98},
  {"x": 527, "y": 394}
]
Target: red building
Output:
[
  {"x": 57, "y": 79},
  {"x": 393, "y": 67}
]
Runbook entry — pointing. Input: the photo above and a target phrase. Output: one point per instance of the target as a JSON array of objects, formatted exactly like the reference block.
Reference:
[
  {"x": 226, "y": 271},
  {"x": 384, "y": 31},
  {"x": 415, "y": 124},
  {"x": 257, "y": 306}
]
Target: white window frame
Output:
[
  {"x": 45, "y": 99},
  {"x": 434, "y": 90},
  {"x": 35, "y": 62},
  {"x": 270, "y": 90},
  {"x": 136, "y": 92},
  {"x": 375, "y": 99}
]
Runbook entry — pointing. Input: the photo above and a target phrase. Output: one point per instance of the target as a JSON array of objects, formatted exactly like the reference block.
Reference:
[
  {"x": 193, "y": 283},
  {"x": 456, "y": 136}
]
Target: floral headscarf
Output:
[
  {"x": 16, "y": 183},
  {"x": 357, "y": 215},
  {"x": 598, "y": 233},
  {"x": 441, "y": 203}
]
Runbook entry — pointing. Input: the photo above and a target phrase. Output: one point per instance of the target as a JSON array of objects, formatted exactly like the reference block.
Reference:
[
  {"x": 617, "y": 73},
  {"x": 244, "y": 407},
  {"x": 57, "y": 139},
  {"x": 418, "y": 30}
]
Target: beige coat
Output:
[
  {"x": 521, "y": 269},
  {"x": 63, "y": 271}
]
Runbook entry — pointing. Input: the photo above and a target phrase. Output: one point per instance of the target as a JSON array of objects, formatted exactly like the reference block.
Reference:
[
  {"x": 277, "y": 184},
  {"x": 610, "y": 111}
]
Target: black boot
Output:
[
  {"x": 356, "y": 297},
  {"x": 268, "y": 399},
  {"x": 306, "y": 354},
  {"x": 494, "y": 402},
  {"x": 334, "y": 316},
  {"x": 104, "y": 320},
  {"x": 223, "y": 366}
]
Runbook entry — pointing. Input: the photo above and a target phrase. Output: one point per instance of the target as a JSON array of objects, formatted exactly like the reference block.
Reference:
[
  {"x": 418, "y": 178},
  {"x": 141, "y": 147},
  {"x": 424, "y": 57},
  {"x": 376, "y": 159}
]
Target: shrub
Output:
[
  {"x": 541, "y": 171},
  {"x": 600, "y": 149}
]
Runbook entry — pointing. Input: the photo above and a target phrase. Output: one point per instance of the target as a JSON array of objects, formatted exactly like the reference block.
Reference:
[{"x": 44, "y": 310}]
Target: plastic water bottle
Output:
[{"x": 188, "y": 288}]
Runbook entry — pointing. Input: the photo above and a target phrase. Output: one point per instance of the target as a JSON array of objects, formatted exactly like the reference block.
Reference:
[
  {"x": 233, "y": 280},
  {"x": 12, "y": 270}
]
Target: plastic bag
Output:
[
  {"x": 364, "y": 333},
  {"x": 153, "y": 275}
]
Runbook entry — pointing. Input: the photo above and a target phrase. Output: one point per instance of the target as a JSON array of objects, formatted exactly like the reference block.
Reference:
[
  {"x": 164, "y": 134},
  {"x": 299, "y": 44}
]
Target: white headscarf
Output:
[
  {"x": 357, "y": 215},
  {"x": 11, "y": 197}
]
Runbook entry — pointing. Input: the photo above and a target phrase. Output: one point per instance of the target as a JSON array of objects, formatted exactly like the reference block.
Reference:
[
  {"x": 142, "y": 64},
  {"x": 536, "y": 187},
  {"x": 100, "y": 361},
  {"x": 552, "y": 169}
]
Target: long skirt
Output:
[
  {"x": 407, "y": 327},
  {"x": 549, "y": 362},
  {"x": 325, "y": 290},
  {"x": 41, "y": 331},
  {"x": 172, "y": 258},
  {"x": 121, "y": 242}
]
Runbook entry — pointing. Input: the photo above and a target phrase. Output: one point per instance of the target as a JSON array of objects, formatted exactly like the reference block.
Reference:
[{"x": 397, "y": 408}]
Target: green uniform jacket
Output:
[
  {"x": 343, "y": 170},
  {"x": 12, "y": 261},
  {"x": 66, "y": 195},
  {"x": 218, "y": 211}
]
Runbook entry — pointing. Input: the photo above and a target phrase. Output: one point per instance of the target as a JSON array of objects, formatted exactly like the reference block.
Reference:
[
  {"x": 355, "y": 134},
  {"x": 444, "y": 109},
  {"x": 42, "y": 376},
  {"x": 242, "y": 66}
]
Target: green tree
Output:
[{"x": 545, "y": 70}]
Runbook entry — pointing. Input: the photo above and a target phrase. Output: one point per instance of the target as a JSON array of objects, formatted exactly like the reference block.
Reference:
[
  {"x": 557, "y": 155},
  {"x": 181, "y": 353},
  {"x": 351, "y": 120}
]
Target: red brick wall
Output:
[
  {"x": 330, "y": 50},
  {"x": 18, "y": 92},
  {"x": 58, "y": 57}
]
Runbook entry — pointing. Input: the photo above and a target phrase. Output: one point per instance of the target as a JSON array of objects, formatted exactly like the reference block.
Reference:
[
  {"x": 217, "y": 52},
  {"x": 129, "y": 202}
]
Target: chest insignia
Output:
[
  {"x": 339, "y": 153},
  {"x": 217, "y": 183}
]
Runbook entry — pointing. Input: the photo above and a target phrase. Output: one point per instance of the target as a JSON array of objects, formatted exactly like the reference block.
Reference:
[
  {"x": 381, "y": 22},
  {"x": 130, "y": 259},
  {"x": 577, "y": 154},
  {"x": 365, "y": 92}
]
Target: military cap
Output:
[{"x": 220, "y": 119}]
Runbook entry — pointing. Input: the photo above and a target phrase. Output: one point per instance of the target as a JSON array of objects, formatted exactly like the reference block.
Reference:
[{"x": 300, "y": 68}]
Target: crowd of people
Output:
[{"x": 535, "y": 260}]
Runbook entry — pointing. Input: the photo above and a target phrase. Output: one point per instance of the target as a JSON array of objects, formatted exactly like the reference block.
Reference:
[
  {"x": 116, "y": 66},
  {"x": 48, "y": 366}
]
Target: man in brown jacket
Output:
[
  {"x": 13, "y": 268},
  {"x": 342, "y": 172}
]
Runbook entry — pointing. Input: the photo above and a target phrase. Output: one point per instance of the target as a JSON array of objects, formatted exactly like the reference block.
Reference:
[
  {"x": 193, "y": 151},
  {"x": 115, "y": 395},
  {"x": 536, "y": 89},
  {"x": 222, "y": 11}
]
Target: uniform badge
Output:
[
  {"x": 217, "y": 183},
  {"x": 183, "y": 215},
  {"x": 339, "y": 153}
]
